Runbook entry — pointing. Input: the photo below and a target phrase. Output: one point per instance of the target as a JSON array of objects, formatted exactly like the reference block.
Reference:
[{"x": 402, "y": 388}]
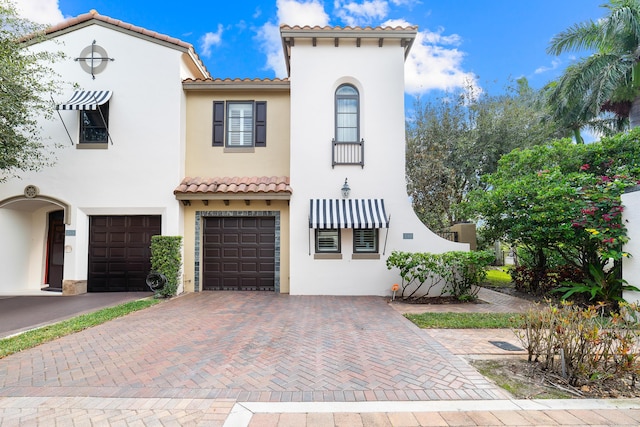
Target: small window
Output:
[
  {"x": 328, "y": 241},
  {"x": 94, "y": 124},
  {"x": 347, "y": 114},
  {"x": 365, "y": 240},
  {"x": 240, "y": 124}
]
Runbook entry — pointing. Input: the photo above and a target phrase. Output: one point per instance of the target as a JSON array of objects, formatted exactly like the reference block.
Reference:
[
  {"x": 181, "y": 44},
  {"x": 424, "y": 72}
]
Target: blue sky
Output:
[{"x": 486, "y": 42}]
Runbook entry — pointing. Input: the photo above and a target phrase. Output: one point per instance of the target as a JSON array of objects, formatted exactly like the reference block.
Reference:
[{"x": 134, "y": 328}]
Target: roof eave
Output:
[
  {"x": 406, "y": 36},
  {"x": 233, "y": 196},
  {"x": 189, "y": 84}
]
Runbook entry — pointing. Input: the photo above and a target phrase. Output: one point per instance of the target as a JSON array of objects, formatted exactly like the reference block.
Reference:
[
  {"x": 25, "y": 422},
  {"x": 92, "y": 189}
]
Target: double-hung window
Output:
[
  {"x": 328, "y": 240},
  {"x": 239, "y": 124},
  {"x": 94, "y": 124},
  {"x": 365, "y": 240}
]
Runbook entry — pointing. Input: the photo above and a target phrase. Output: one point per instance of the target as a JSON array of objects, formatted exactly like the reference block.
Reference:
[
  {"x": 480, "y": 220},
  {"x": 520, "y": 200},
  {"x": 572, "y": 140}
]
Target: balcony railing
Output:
[{"x": 347, "y": 153}]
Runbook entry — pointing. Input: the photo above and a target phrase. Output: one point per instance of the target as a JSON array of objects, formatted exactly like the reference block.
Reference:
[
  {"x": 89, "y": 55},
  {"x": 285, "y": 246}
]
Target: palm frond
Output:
[{"x": 582, "y": 36}]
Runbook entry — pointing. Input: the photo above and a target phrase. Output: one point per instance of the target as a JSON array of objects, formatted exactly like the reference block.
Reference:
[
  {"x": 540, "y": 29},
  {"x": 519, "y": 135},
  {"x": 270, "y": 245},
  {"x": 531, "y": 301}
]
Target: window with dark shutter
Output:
[
  {"x": 218, "y": 123},
  {"x": 261, "y": 124},
  {"x": 239, "y": 124}
]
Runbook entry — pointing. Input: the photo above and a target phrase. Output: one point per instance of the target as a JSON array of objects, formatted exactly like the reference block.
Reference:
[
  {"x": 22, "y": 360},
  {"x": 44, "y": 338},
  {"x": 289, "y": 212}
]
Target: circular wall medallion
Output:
[
  {"x": 93, "y": 59},
  {"x": 31, "y": 191}
]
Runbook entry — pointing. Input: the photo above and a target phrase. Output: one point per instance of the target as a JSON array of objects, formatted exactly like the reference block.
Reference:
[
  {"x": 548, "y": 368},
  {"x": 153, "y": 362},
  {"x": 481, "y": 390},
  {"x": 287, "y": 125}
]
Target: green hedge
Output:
[{"x": 166, "y": 258}]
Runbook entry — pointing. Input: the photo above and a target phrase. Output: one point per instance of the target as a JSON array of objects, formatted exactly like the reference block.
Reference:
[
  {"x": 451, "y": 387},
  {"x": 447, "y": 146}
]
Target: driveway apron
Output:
[{"x": 250, "y": 346}]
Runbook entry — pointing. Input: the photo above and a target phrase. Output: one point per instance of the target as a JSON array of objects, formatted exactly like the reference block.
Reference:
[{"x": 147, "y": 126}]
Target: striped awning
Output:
[
  {"x": 86, "y": 100},
  {"x": 347, "y": 213}
]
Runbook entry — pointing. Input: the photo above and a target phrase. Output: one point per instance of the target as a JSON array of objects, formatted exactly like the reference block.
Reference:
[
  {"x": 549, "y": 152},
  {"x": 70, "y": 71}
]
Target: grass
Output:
[
  {"x": 519, "y": 388},
  {"x": 48, "y": 333},
  {"x": 466, "y": 320},
  {"x": 498, "y": 277}
]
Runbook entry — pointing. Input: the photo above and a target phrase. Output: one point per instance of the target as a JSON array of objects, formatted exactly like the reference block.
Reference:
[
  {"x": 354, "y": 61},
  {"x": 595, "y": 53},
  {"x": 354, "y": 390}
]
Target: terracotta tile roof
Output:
[
  {"x": 94, "y": 15},
  {"x": 234, "y": 186},
  {"x": 236, "y": 80},
  {"x": 347, "y": 29},
  {"x": 288, "y": 34},
  {"x": 236, "y": 84}
]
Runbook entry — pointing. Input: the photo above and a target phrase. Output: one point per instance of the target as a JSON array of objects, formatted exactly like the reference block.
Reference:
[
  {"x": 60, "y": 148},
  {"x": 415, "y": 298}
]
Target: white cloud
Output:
[
  {"x": 269, "y": 35},
  {"x": 305, "y": 12},
  {"x": 210, "y": 39},
  {"x": 434, "y": 62},
  {"x": 554, "y": 65},
  {"x": 290, "y": 12},
  {"x": 361, "y": 14},
  {"x": 41, "y": 11},
  {"x": 408, "y": 3}
]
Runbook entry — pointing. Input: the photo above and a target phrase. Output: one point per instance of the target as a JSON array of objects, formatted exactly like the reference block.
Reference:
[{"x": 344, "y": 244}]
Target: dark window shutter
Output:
[
  {"x": 261, "y": 124},
  {"x": 218, "y": 124}
]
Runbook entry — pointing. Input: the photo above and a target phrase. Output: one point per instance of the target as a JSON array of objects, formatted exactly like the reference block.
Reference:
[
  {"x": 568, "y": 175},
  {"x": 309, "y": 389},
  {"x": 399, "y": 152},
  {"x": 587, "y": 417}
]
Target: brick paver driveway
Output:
[{"x": 250, "y": 347}]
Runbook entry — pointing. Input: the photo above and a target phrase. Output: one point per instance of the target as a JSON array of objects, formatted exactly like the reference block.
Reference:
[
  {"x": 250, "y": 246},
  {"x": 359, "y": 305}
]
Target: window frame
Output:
[
  {"x": 101, "y": 115},
  {"x": 360, "y": 249},
  {"x": 337, "y": 113},
  {"x": 244, "y": 130},
  {"x": 338, "y": 237},
  {"x": 221, "y": 128}
]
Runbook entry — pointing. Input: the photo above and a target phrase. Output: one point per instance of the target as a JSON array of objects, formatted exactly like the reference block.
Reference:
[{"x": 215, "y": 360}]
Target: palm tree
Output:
[{"x": 608, "y": 77}]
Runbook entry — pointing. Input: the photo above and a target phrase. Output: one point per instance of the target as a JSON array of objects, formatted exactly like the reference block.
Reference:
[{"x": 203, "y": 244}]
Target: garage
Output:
[
  {"x": 119, "y": 253},
  {"x": 238, "y": 253}
]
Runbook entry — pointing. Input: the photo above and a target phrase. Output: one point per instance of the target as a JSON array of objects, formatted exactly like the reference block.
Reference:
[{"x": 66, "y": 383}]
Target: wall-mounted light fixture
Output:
[{"x": 345, "y": 189}]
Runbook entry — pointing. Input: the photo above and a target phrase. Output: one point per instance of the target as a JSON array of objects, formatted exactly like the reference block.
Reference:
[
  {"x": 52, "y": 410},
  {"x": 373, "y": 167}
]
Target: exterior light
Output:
[{"x": 345, "y": 189}]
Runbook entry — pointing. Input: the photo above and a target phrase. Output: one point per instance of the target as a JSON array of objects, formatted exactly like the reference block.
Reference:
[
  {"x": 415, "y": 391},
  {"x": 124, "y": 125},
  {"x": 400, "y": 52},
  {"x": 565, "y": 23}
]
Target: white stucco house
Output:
[
  {"x": 631, "y": 265},
  {"x": 89, "y": 218},
  {"x": 252, "y": 173},
  {"x": 348, "y": 123}
]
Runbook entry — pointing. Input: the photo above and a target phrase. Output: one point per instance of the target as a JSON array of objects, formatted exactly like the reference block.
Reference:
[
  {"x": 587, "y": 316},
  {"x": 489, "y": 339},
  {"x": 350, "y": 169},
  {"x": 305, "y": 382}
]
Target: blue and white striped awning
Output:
[
  {"x": 86, "y": 100},
  {"x": 347, "y": 213}
]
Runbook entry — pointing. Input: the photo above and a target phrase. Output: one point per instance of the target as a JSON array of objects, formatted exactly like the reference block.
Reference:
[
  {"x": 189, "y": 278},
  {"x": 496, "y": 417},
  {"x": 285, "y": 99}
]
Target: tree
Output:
[
  {"x": 454, "y": 140},
  {"x": 562, "y": 198},
  {"x": 26, "y": 85},
  {"x": 607, "y": 79}
]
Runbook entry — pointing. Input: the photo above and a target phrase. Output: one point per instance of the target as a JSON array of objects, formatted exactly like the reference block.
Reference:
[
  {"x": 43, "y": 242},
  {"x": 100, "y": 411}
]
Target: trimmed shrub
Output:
[
  {"x": 166, "y": 259},
  {"x": 453, "y": 273}
]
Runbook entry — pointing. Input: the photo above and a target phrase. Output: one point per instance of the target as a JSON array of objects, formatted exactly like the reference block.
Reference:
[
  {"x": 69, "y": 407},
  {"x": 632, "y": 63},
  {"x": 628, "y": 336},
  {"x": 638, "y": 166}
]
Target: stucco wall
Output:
[
  {"x": 134, "y": 175},
  {"x": 631, "y": 266},
  {"x": 206, "y": 161},
  {"x": 377, "y": 72}
]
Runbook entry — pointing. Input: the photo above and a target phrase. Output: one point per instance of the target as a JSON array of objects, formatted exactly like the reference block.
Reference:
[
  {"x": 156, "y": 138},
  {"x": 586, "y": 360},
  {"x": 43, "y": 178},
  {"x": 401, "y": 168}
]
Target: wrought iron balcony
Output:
[{"x": 347, "y": 153}]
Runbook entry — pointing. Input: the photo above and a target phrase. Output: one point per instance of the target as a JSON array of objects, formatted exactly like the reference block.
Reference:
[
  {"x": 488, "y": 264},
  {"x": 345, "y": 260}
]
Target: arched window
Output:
[{"x": 347, "y": 114}]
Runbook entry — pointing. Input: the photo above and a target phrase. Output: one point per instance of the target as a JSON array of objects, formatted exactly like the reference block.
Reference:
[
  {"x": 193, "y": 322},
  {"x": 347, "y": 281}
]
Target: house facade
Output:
[
  {"x": 290, "y": 185},
  {"x": 236, "y": 190},
  {"x": 348, "y": 125},
  {"x": 86, "y": 222}
]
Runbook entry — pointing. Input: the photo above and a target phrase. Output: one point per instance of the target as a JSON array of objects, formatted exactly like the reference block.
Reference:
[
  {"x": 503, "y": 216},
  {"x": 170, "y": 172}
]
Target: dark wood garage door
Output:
[
  {"x": 239, "y": 253},
  {"x": 119, "y": 254}
]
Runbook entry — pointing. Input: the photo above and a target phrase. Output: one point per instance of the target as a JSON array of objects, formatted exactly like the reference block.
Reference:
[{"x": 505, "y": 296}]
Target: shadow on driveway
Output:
[{"x": 21, "y": 313}]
